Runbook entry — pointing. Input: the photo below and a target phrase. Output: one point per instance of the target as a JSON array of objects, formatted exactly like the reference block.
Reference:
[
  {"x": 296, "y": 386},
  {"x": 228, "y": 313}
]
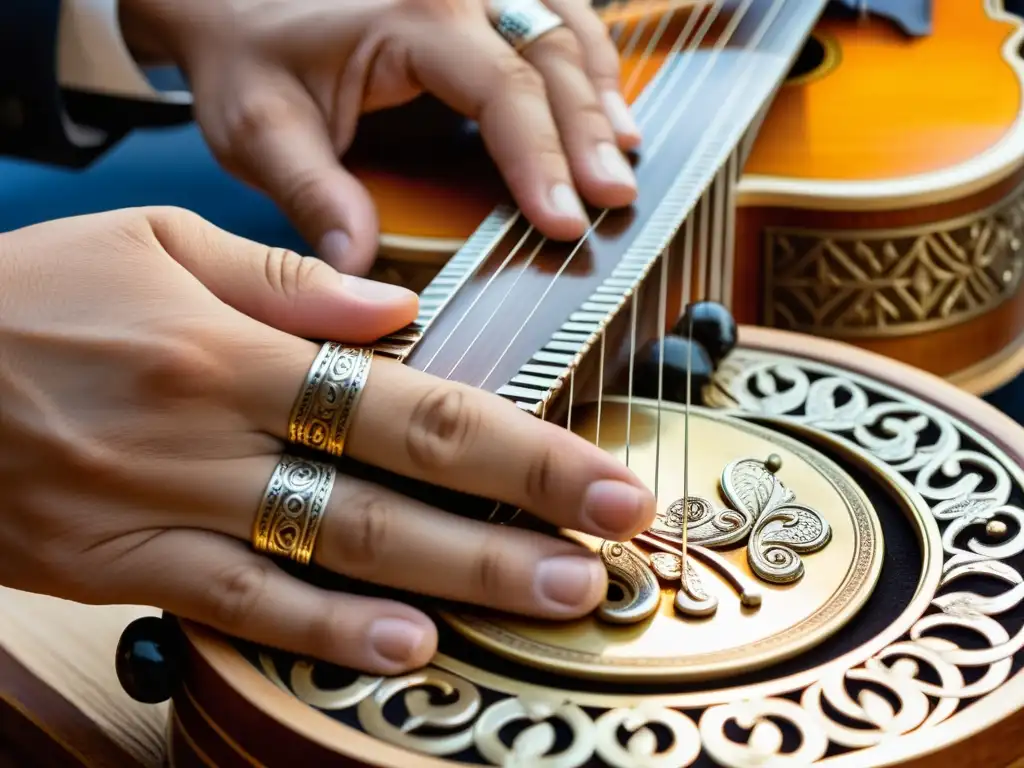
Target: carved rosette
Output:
[
  {"x": 865, "y": 284},
  {"x": 937, "y": 673}
]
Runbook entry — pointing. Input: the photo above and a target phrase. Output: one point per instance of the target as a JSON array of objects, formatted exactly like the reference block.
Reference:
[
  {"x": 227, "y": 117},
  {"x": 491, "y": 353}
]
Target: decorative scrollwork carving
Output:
[
  {"x": 640, "y": 749},
  {"x": 534, "y": 747},
  {"x": 764, "y": 745},
  {"x": 763, "y": 513},
  {"x": 418, "y": 691},
  {"x": 640, "y": 593}
]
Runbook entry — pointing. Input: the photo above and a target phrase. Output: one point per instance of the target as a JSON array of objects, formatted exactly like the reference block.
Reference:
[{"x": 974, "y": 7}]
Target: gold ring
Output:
[
  {"x": 292, "y": 509},
  {"x": 323, "y": 411}
]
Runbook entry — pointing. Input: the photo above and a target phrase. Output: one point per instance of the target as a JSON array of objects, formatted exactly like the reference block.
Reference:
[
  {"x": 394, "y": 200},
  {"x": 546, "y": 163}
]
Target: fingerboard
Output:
[{"x": 514, "y": 313}]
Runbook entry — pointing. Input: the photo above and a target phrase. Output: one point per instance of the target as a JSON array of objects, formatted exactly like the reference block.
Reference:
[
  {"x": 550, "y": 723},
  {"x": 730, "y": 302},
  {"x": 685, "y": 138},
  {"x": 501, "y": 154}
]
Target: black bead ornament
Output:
[
  {"x": 713, "y": 326},
  {"x": 678, "y": 354},
  {"x": 148, "y": 659}
]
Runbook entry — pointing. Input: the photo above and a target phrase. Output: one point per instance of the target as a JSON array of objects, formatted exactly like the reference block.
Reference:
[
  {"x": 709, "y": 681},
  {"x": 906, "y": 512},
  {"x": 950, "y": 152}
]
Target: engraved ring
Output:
[
  {"x": 522, "y": 22},
  {"x": 292, "y": 508},
  {"x": 323, "y": 410}
]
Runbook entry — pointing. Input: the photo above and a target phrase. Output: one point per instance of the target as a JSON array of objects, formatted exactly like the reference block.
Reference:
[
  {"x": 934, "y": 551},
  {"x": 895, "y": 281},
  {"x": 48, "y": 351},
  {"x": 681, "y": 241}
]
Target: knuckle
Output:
[
  {"x": 365, "y": 533},
  {"x": 492, "y": 572},
  {"x": 592, "y": 120},
  {"x": 256, "y": 112},
  {"x": 305, "y": 192},
  {"x": 234, "y": 594},
  {"x": 563, "y": 44},
  {"x": 177, "y": 367},
  {"x": 541, "y": 474},
  {"x": 328, "y": 626},
  {"x": 173, "y": 216},
  {"x": 443, "y": 428},
  {"x": 291, "y": 274},
  {"x": 517, "y": 76}
]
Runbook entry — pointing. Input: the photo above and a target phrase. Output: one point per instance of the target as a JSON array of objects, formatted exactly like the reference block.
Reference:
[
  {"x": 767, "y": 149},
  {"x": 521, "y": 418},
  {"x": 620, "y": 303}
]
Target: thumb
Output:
[
  {"x": 299, "y": 295},
  {"x": 280, "y": 143}
]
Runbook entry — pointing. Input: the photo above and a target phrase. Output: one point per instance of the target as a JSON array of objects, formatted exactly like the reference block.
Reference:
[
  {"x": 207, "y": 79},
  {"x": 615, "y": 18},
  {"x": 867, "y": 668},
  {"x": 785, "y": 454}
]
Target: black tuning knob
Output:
[
  {"x": 713, "y": 326},
  {"x": 148, "y": 659},
  {"x": 670, "y": 360}
]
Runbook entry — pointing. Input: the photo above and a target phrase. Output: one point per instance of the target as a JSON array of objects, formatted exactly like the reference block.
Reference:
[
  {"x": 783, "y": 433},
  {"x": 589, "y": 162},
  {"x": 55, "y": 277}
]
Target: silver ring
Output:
[
  {"x": 293, "y": 506},
  {"x": 323, "y": 410},
  {"x": 522, "y": 22}
]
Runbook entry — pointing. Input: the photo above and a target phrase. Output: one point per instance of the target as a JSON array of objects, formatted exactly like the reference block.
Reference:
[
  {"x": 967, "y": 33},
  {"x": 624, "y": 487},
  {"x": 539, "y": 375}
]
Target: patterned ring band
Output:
[
  {"x": 292, "y": 509},
  {"x": 323, "y": 410},
  {"x": 522, "y": 22}
]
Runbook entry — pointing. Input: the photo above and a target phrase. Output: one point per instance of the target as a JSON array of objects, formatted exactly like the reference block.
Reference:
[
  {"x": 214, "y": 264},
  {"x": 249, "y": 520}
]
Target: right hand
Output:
[
  {"x": 148, "y": 364},
  {"x": 279, "y": 86}
]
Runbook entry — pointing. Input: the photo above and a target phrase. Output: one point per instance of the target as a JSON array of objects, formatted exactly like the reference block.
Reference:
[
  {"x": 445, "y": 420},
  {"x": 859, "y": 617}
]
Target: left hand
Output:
[{"x": 279, "y": 86}]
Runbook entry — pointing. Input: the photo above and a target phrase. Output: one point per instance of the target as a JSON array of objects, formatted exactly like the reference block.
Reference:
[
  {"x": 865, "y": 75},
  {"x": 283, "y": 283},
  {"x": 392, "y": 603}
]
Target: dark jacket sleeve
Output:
[{"x": 41, "y": 121}]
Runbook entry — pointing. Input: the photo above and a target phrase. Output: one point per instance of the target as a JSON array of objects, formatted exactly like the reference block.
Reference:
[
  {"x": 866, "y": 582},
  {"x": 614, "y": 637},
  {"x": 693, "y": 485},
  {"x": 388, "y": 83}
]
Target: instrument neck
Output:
[{"x": 516, "y": 314}]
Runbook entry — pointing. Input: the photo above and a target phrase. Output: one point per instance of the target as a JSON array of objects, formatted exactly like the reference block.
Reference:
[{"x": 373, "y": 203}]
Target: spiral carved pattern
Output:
[{"x": 920, "y": 681}]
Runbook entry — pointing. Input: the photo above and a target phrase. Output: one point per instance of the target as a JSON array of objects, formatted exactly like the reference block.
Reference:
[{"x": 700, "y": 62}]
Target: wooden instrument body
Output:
[
  {"x": 880, "y": 202},
  {"x": 228, "y": 712}
]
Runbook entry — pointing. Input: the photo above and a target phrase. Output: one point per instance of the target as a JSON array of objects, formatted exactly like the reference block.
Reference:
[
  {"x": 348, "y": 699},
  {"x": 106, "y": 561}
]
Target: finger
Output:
[
  {"x": 277, "y": 139},
  {"x": 296, "y": 294},
  {"x": 506, "y": 96},
  {"x": 380, "y": 536},
  {"x": 214, "y": 580},
  {"x": 376, "y": 535},
  {"x": 461, "y": 438},
  {"x": 602, "y": 65},
  {"x": 601, "y": 171}
]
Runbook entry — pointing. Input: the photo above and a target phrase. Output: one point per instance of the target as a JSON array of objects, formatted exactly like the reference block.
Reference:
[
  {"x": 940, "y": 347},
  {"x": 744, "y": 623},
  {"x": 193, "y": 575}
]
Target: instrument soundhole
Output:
[{"x": 813, "y": 60}]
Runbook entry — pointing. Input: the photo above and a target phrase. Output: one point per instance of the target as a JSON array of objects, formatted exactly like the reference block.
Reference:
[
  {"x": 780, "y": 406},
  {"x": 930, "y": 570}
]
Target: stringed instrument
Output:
[
  {"x": 876, "y": 199},
  {"x": 836, "y": 560},
  {"x": 833, "y": 574}
]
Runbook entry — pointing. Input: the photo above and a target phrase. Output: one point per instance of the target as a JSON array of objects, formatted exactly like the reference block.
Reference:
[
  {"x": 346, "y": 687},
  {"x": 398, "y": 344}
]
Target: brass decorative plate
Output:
[{"x": 777, "y": 561}]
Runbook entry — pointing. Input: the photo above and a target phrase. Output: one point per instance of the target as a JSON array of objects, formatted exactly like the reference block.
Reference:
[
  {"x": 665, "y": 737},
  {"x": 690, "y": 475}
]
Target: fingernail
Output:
[
  {"x": 333, "y": 247},
  {"x": 619, "y": 115},
  {"x": 568, "y": 581},
  {"x": 396, "y": 640},
  {"x": 613, "y": 166},
  {"x": 565, "y": 201},
  {"x": 616, "y": 509},
  {"x": 373, "y": 290}
]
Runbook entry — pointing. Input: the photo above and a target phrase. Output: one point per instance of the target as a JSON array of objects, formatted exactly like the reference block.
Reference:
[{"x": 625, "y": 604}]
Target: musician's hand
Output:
[
  {"x": 147, "y": 373},
  {"x": 279, "y": 86}
]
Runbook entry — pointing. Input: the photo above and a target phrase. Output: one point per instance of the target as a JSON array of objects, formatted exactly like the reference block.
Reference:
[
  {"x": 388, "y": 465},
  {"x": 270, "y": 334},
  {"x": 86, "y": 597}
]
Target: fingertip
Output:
[
  {"x": 567, "y": 217},
  {"x": 381, "y": 308},
  {"x": 617, "y": 510},
  {"x": 400, "y": 643},
  {"x": 627, "y": 132},
  {"x": 349, "y": 256}
]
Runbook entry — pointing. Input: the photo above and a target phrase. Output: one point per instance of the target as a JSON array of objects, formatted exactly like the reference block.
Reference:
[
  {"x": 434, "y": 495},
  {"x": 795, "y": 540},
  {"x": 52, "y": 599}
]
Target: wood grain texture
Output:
[{"x": 58, "y": 685}]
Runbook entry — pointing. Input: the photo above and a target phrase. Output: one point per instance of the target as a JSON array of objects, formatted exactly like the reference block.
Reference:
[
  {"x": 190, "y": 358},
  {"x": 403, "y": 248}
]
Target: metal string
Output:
[
  {"x": 647, "y": 113},
  {"x": 641, "y": 110}
]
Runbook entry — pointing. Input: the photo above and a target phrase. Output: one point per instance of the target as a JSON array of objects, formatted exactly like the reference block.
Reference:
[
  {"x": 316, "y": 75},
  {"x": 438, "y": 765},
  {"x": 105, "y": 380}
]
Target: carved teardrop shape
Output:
[
  {"x": 641, "y": 592},
  {"x": 780, "y": 537},
  {"x": 749, "y": 486}
]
